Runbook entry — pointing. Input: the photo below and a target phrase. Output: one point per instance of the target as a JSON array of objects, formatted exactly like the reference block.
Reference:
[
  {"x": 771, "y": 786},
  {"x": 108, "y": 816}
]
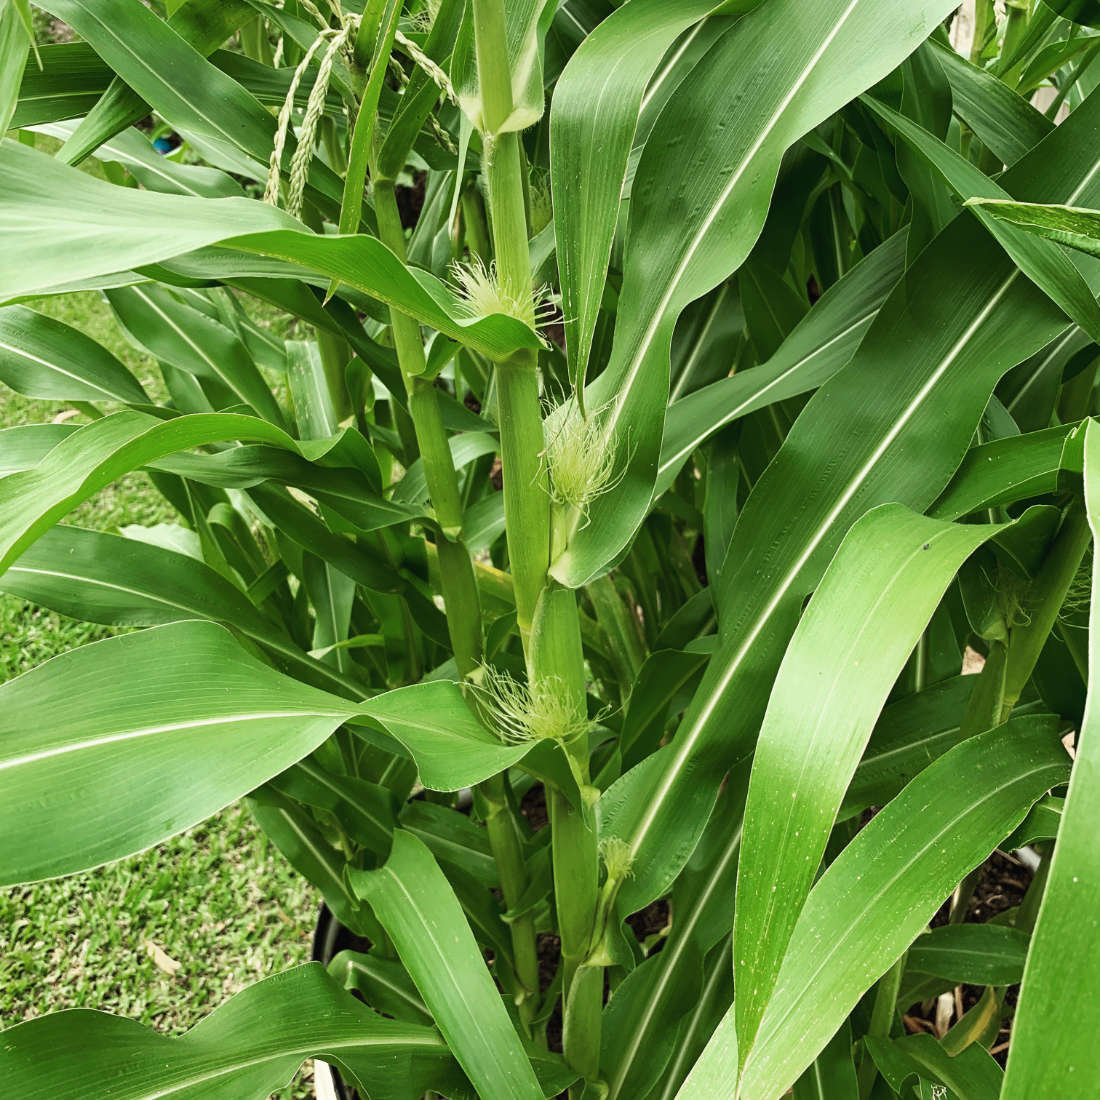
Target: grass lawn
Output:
[{"x": 166, "y": 936}]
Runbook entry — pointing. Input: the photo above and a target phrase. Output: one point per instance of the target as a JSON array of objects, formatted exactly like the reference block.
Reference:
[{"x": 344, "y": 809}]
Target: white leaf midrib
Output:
[
  {"x": 164, "y": 728},
  {"x": 655, "y": 324}
]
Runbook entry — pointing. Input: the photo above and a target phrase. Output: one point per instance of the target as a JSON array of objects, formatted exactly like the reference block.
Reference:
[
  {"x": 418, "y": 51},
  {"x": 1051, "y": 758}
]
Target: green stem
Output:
[
  {"x": 507, "y": 848},
  {"x": 335, "y": 354},
  {"x": 547, "y": 614},
  {"x": 473, "y": 218},
  {"x": 526, "y": 492},
  {"x": 986, "y": 704},
  {"x": 455, "y": 569},
  {"x": 983, "y": 15},
  {"x": 882, "y": 1020},
  {"x": 460, "y": 593},
  {"x": 1016, "y": 27}
]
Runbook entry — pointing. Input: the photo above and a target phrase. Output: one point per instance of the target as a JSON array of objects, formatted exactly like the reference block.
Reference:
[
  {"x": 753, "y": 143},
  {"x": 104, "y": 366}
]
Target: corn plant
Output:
[{"x": 647, "y": 586}]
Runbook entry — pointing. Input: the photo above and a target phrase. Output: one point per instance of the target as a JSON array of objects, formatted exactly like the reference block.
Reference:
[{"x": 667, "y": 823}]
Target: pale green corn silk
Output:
[
  {"x": 580, "y": 455},
  {"x": 617, "y": 857},
  {"x": 519, "y": 712},
  {"x": 481, "y": 294}
]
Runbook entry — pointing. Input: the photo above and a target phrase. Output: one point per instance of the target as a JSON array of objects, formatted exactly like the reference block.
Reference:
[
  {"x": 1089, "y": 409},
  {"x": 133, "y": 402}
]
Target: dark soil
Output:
[
  {"x": 650, "y": 921},
  {"x": 533, "y": 808},
  {"x": 1003, "y": 884},
  {"x": 549, "y": 949},
  {"x": 410, "y": 200},
  {"x": 699, "y": 561}
]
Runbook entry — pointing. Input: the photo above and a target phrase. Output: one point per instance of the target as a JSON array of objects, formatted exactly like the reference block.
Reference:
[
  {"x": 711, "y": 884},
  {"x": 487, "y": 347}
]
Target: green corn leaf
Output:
[
  {"x": 44, "y": 358},
  {"x": 422, "y": 93},
  {"x": 332, "y": 595},
  {"x": 175, "y": 333},
  {"x": 1042, "y": 823},
  {"x": 98, "y": 453},
  {"x": 822, "y": 343},
  {"x": 293, "y": 830},
  {"x": 981, "y": 954},
  {"x": 1085, "y": 12},
  {"x": 174, "y": 748},
  {"x": 592, "y": 122},
  {"x": 301, "y": 525},
  {"x": 887, "y": 578},
  {"x": 63, "y": 225},
  {"x": 637, "y": 1038},
  {"x": 203, "y": 24},
  {"x": 451, "y": 747},
  {"x": 416, "y": 906},
  {"x": 67, "y": 85},
  {"x": 833, "y": 1073},
  {"x": 92, "y": 712},
  {"x": 182, "y": 85},
  {"x": 1052, "y": 1048},
  {"x": 135, "y": 152},
  {"x": 364, "y": 808},
  {"x": 970, "y": 1075},
  {"x": 453, "y": 839},
  {"x": 1048, "y": 267},
  {"x": 698, "y": 204},
  {"x": 891, "y": 426},
  {"x": 103, "y": 578},
  {"x": 878, "y": 895},
  {"x": 15, "y": 44},
  {"x": 26, "y": 445},
  {"x": 1003, "y": 120},
  {"x": 384, "y": 982},
  {"x": 523, "y": 63},
  {"x": 250, "y": 1046},
  {"x": 1068, "y": 225},
  {"x": 1005, "y": 471}
]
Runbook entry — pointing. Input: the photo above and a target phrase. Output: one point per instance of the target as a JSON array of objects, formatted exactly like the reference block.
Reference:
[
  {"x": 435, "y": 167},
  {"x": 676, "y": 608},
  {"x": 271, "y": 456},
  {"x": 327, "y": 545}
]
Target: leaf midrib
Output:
[{"x": 150, "y": 731}]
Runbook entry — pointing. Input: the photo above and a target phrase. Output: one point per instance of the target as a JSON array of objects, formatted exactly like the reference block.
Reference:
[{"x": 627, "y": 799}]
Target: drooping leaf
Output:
[
  {"x": 47, "y": 359},
  {"x": 592, "y": 122},
  {"x": 61, "y": 225},
  {"x": 1051, "y": 1048},
  {"x": 851, "y": 644},
  {"x": 176, "y": 722},
  {"x": 98, "y": 453},
  {"x": 878, "y": 895},
  {"x": 250, "y": 1046},
  {"x": 451, "y": 748},
  {"x": 980, "y": 954},
  {"x": 180, "y": 721},
  {"x": 698, "y": 204},
  {"x": 891, "y": 426},
  {"x": 415, "y": 904},
  {"x": 1068, "y": 225}
]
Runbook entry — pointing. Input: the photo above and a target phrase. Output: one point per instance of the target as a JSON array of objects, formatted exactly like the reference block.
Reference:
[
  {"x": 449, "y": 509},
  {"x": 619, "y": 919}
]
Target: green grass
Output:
[{"x": 219, "y": 900}]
